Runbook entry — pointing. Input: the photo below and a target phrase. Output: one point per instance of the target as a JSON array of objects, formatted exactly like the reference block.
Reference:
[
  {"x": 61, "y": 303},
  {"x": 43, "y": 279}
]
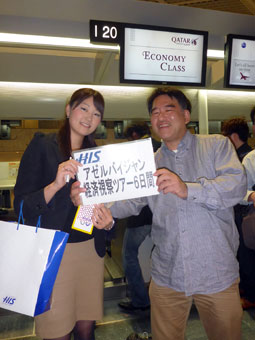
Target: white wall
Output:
[
  {"x": 70, "y": 18},
  {"x": 76, "y": 68}
]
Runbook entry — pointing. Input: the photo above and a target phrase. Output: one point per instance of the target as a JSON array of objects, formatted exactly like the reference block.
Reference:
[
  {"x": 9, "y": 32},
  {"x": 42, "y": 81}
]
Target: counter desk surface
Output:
[{"x": 7, "y": 184}]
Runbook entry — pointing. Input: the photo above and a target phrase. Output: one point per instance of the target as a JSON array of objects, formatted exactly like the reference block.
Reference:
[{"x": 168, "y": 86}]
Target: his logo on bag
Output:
[{"x": 8, "y": 300}]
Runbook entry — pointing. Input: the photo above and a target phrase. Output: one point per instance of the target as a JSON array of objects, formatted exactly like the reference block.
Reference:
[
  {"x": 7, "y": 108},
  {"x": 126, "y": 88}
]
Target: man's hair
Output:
[
  {"x": 236, "y": 125},
  {"x": 140, "y": 128},
  {"x": 172, "y": 93},
  {"x": 252, "y": 115}
]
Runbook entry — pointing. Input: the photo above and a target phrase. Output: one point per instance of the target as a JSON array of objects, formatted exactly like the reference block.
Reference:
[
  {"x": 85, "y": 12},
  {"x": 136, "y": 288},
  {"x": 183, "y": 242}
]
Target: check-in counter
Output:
[
  {"x": 8, "y": 175},
  {"x": 7, "y": 184}
]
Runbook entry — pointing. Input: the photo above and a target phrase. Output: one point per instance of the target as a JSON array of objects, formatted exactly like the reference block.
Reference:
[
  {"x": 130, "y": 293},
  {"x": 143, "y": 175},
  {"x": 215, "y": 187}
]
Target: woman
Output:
[{"x": 77, "y": 298}]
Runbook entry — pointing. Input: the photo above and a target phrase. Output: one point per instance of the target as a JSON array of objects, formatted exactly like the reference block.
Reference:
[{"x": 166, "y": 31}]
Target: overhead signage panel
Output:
[
  {"x": 164, "y": 56},
  {"x": 240, "y": 62}
]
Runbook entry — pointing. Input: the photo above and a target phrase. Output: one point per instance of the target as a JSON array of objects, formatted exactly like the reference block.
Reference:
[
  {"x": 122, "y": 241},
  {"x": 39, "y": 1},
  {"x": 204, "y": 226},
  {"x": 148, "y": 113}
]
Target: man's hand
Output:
[
  {"x": 169, "y": 182},
  {"x": 75, "y": 193}
]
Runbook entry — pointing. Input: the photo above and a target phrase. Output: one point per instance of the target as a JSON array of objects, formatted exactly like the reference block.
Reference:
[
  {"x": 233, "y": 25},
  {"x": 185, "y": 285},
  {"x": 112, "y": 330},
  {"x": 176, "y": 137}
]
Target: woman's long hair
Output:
[{"x": 64, "y": 136}]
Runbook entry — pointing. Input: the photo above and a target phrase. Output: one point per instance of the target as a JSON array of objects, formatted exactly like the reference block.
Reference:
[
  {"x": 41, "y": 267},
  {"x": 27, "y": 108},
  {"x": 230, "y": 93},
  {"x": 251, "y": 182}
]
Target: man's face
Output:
[{"x": 169, "y": 120}]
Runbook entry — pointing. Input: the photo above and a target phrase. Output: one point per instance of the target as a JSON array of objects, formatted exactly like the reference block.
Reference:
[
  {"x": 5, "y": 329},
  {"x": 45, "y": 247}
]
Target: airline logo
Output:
[
  {"x": 184, "y": 41},
  {"x": 243, "y": 76}
]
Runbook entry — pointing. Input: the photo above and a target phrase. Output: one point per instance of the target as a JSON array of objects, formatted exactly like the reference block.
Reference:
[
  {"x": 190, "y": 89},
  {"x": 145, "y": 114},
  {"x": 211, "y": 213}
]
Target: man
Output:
[
  {"x": 199, "y": 179},
  {"x": 138, "y": 228},
  {"x": 246, "y": 255},
  {"x": 237, "y": 130}
]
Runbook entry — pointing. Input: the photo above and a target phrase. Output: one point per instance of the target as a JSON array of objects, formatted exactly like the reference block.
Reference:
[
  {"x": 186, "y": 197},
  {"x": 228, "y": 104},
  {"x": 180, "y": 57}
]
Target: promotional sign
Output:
[
  {"x": 117, "y": 171},
  {"x": 167, "y": 56},
  {"x": 242, "y": 62}
]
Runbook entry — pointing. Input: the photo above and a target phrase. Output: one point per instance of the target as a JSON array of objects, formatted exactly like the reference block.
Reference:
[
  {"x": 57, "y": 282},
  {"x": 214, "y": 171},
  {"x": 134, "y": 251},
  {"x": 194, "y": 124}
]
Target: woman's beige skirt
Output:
[{"x": 77, "y": 293}]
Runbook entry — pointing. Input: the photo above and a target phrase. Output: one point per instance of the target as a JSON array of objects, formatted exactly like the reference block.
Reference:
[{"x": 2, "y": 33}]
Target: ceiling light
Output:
[
  {"x": 217, "y": 54},
  {"x": 41, "y": 40},
  {"x": 53, "y": 41}
]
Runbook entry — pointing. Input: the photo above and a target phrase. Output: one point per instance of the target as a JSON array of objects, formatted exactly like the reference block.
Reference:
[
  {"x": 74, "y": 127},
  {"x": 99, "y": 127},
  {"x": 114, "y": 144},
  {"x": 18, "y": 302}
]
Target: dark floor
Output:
[{"x": 115, "y": 325}]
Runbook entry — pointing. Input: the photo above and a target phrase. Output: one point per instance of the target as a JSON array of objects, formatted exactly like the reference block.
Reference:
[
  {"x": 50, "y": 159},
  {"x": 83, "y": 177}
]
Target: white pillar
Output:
[{"x": 203, "y": 112}]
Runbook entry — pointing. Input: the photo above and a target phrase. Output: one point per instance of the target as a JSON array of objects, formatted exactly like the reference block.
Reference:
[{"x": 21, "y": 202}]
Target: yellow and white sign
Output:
[{"x": 82, "y": 220}]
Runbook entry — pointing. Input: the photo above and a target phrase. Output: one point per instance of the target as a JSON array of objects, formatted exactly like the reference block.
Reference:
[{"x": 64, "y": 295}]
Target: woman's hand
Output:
[
  {"x": 66, "y": 171},
  {"x": 75, "y": 193},
  {"x": 102, "y": 217}
]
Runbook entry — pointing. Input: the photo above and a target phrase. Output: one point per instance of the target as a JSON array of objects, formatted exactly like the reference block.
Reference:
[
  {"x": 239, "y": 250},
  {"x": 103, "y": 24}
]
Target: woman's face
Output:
[{"x": 83, "y": 119}]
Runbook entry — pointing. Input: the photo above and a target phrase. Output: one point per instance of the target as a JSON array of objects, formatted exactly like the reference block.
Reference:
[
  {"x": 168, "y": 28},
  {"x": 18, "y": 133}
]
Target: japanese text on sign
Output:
[{"x": 116, "y": 172}]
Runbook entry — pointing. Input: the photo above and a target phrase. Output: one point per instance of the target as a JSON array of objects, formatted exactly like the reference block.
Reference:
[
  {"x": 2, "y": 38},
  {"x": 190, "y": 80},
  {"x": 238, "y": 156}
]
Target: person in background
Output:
[
  {"x": 138, "y": 227},
  {"x": 199, "y": 180},
  {"x": 77, "y": 297},
  {"x": 252, "y": 115},
  {"x": 237, "y": 130},
  {"x": 246, "y": 255}
]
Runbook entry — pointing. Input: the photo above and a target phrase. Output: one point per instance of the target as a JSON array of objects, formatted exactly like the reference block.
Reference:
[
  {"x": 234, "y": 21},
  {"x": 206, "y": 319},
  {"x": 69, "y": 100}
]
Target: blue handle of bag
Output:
[
  {"x": 20, "y": 214},
  {"x": 38, "y": 224}
]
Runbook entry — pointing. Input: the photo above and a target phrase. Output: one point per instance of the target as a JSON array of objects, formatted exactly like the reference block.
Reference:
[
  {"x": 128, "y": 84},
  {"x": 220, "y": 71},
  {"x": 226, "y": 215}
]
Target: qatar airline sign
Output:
[{"x": 163, "y": 56}]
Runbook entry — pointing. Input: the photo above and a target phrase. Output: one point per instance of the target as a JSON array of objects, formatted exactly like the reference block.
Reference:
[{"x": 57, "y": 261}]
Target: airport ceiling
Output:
[
  {"x": 233, "y": 6},
  {"x": 33, "y": 75}
]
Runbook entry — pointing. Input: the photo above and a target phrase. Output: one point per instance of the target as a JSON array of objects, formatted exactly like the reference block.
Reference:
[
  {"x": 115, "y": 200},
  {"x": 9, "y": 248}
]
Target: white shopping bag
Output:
[{"x": 29, "y": 262}]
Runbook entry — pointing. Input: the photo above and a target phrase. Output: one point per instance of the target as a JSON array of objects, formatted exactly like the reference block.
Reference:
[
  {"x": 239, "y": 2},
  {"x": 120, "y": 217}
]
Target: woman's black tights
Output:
[{"x": 83, "y": 330}]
